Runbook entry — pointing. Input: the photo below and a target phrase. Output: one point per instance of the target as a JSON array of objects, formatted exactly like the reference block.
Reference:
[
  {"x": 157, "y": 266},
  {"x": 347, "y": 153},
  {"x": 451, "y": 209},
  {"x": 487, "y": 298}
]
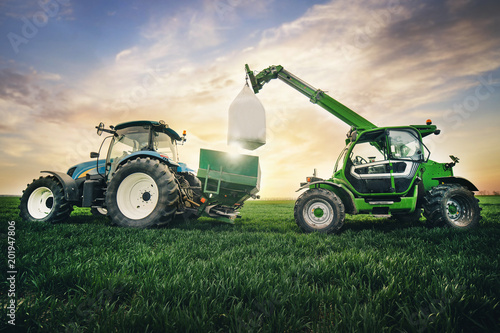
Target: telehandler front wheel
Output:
[
  {"x": 319, "y": 210},
  {"x": 142, "y": 193},
  {"x": 44, "y": 201},
  {"x": 453, "y": 206}
]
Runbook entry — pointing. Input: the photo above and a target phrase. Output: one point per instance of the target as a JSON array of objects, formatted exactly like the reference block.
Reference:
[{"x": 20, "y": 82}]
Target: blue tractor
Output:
[{"x": 141, "y": 183}]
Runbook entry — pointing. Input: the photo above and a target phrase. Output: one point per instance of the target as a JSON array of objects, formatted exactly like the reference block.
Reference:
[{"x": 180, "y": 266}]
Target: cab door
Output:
[
  {"x": 367, "y": 165},
  {"x": 406, "y": 153}
]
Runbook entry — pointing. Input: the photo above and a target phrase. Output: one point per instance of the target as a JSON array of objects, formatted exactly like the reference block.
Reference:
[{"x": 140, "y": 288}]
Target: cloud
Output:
[
  {"x": 123, "y": 54},
  {"x": 29, "y": 97},
  {"x": 386, "y": 57},
  {"x": 15, "y": 87},
  {"x": 38, "y": 10}
]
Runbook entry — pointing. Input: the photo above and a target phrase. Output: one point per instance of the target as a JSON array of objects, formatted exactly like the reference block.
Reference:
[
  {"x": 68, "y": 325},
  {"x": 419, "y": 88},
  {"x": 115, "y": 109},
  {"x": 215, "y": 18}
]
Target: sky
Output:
[{"x": 67, "y": 65}]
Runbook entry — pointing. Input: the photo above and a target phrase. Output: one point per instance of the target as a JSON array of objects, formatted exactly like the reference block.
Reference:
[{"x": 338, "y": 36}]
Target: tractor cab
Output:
[
  {"x": 142, "y": 137},
  {"x": 384, "y": 160}
]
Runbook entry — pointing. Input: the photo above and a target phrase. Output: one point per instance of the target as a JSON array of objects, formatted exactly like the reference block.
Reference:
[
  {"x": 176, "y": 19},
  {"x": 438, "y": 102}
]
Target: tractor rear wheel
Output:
[
  {"x": 453, "y": 206},
  {"x": 319, "y": 210},
  {"x": 142, "y": 194},
  {"x": 44, "y": 201}
]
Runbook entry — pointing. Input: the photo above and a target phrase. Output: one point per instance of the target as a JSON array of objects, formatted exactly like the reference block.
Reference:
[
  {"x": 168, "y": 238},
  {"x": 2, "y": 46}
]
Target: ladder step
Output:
[{"x": 381, "y": 202}]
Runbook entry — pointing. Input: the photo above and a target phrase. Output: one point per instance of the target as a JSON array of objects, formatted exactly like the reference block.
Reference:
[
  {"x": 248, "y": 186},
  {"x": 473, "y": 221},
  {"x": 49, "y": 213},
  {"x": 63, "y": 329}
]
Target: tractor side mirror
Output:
[
  {"x": 100, "y": 128},
  {"x": 94, "y": 155}
]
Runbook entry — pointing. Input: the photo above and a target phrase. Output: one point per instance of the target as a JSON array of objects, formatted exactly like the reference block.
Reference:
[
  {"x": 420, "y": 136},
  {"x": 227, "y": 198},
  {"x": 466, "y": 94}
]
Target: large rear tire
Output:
[
  {"x": 44, "y": 201},
  {"x": 142, "y": 194},
  {"x": 453, "y": 206},
  {"x": 319, "y": 210}
]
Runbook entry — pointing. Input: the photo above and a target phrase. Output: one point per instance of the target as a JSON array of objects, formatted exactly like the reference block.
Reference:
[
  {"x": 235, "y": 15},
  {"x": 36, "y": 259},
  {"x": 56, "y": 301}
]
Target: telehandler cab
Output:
[{"x": 381, "y": 171}]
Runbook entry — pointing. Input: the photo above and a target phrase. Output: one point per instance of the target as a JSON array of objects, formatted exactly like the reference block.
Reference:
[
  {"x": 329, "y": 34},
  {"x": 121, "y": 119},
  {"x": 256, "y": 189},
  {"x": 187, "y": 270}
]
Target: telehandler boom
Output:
[
  {"x": 381, "y": 171},
  {"x": 315, "y": 95}
]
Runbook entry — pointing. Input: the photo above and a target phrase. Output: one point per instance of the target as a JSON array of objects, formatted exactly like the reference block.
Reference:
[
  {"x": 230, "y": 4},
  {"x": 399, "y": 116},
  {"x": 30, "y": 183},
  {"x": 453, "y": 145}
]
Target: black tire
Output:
[
  {"x": 44, "y": 201},
  {"x": 319, "y": 210},
  {"x": 98, "y": 211},
  {"x": 453, "y": 206},
  {"x": 142, "y": 194}
]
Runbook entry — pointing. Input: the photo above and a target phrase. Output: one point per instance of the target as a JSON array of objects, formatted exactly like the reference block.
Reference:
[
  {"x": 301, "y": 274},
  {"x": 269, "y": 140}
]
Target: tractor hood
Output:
[{"x": 81, "y": 170}]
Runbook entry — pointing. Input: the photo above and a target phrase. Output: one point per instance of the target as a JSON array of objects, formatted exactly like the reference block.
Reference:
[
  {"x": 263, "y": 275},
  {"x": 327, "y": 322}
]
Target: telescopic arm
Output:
[{"x": 316, "y": 96}]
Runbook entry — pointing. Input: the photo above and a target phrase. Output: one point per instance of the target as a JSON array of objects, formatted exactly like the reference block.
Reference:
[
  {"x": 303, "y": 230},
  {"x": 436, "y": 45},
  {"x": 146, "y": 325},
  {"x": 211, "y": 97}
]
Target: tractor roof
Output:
[
  {"x": 161, "y": 127},
  {"x": 136, "y": 123}
]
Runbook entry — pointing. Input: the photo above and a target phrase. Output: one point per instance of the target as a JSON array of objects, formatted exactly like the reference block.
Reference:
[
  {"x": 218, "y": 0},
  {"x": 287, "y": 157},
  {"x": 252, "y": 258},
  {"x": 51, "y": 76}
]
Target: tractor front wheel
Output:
[
  {"x": 44, "y": 201},
  {"x": 98, "y": 211},
  {"x": 142, "y": 193},
  {"x": 319, "y": 210},
  {"x": 453, "y": 206}
]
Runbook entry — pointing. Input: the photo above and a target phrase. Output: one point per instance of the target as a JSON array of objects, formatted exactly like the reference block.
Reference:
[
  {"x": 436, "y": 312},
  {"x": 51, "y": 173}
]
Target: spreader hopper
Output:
[{"x": 228, "y": 179}]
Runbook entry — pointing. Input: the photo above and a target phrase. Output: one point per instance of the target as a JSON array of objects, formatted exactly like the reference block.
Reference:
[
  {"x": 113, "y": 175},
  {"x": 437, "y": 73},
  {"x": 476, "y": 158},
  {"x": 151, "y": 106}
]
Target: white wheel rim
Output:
[
  {"x": 40, "y": 202},
  {"x": 137, "y": 196},
  {"x": 102, "y": 211},
  {"x": 318, "y": 214}
]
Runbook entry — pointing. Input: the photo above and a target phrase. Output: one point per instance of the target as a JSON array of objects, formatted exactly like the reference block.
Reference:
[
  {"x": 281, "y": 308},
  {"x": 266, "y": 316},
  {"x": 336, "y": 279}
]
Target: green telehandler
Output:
[{"x": 383, "y": 171}]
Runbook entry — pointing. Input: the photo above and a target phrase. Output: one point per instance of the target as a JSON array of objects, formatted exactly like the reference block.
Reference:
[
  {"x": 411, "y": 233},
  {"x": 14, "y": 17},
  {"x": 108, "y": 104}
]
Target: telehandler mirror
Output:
[{"x": 94, "y": 155}]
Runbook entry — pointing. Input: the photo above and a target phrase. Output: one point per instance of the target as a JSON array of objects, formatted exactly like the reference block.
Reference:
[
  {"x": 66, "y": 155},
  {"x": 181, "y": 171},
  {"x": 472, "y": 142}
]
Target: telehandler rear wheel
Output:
[
  {"x": 319, "y": 210},
  {"x": 142, "y": 194},
  {"x": 44, "y": 201},
  {"x": 453, "y": 206}
]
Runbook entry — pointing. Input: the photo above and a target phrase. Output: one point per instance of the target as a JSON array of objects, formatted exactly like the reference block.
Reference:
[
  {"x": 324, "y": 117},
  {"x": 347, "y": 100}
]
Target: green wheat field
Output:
[{"x": 260, "y": 275}]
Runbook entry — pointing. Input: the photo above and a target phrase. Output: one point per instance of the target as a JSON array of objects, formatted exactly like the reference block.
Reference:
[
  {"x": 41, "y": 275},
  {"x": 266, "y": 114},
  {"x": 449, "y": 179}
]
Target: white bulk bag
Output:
[{"x": 247, "y": 121}]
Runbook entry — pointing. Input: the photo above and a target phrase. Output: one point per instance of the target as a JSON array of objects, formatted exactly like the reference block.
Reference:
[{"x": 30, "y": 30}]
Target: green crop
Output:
[{"x": 261, "y": 274}]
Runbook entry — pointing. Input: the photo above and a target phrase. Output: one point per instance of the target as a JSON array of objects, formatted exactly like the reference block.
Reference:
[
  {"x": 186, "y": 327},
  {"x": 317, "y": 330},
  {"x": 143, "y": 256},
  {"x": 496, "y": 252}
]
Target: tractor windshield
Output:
[
  {"x": 140, "y": 138},
  {"x": 127, "y": 141}
]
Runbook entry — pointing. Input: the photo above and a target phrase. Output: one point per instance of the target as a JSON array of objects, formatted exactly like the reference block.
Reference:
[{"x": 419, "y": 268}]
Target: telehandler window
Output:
[
  {"x": 370, "y": 148},
  {"x": 365, "y": 152},
  {"x": 405, "y": 145}
]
